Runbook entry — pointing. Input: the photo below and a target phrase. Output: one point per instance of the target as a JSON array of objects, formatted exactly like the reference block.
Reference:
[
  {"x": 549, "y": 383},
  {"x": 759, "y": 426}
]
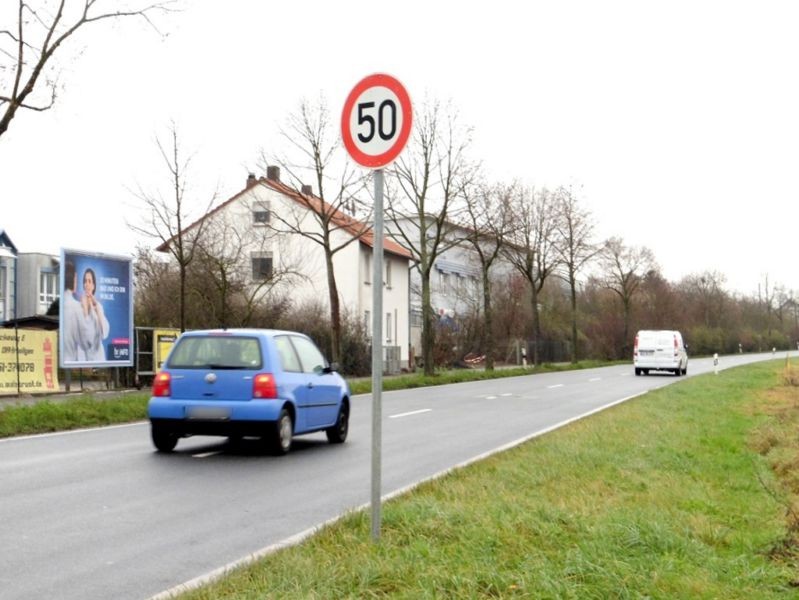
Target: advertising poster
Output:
[
  {"x": 96, "y": 310},
  {"x": 163, "y": 339},
  {"x": 38, "y": 372}
]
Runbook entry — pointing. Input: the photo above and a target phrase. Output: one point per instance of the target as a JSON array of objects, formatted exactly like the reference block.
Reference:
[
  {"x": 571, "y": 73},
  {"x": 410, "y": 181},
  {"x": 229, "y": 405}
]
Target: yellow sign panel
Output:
[
  {"x": 163, "y": 339},
  {"x": 37, "y": 363}
]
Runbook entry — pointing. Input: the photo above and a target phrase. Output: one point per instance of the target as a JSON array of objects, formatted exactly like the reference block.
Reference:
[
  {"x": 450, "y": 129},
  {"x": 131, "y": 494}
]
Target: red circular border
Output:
[{"x": 379, "y": 160}]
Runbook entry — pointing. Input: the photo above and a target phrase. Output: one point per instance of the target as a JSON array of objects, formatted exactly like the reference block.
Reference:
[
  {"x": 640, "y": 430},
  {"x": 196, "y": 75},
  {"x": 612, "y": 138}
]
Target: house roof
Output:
[{"x": 354, "y": 227}]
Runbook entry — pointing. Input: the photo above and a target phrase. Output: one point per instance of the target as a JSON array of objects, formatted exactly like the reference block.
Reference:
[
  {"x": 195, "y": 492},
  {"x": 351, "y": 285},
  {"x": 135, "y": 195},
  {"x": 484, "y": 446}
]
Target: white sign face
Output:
[{"x": 376, "y": 120}]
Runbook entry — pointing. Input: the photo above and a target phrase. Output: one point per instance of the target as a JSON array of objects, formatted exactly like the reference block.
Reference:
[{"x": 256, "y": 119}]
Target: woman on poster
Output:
[{"x": 94, "y": 320}]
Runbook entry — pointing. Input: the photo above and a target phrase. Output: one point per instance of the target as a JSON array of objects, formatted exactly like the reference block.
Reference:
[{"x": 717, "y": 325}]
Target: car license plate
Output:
[
  {"x": 647, "y": 352},
  {"x": 217, "y": 413}
]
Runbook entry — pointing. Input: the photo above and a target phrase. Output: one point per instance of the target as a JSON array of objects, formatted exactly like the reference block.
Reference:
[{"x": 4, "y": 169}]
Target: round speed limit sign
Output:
[{"x": 376, "y": 120}]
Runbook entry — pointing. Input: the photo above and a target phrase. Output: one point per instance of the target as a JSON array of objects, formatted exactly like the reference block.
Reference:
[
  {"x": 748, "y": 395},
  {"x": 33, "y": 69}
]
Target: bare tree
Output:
[
  {"x": 575, "y": 247},
  {"x": 312, "y": 135},
  {"x": 489, "y": 220},
  {"x": 168, "y": 218},
  {"x": 707, "y": 291},
  {"x": 624, "y": 269},
  {"x": 225, "y": 277},
  {"x": 431, "y": 176},
  {"x": 532, "y": 247},
  {"x": 28, "y": 50}
]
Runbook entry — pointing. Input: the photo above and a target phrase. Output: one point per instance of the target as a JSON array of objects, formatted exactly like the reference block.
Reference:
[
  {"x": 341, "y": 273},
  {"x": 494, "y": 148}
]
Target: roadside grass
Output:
[
  {"x": 74, "y": 413},
  {"x": 47, "y": 415},
  {"x": 363, "y": 385},
  {"x": 687, "y": 492}
]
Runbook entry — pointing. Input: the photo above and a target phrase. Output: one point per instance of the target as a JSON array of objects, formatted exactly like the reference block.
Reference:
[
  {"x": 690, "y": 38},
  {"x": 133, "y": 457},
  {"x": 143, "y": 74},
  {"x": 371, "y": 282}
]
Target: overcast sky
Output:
[{"x": 677, "y": 122}]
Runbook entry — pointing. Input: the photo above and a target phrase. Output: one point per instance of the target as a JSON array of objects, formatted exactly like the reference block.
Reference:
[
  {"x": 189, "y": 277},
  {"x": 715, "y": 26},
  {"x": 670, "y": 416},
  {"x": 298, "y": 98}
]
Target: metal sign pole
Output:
[{"x": 377, "y": 351}]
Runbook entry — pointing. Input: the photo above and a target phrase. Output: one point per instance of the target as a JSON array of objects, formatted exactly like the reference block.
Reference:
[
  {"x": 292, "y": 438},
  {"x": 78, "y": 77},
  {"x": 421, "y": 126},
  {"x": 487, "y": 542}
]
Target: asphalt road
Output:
[{"x": 97, "y": 514}]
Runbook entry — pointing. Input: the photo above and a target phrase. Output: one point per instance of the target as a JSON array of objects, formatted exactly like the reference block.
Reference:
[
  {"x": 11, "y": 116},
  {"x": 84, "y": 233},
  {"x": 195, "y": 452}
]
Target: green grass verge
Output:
[
  {"x": 661, "y": 497},
  {"x": 48, "y": 415},
  {"x": 363, "y": 385},
  {"x": 74, "y": 413}
]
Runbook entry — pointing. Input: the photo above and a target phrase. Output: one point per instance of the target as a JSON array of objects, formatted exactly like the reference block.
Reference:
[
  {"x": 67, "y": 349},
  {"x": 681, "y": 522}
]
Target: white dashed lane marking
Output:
[{"x": 413, "y": 412}]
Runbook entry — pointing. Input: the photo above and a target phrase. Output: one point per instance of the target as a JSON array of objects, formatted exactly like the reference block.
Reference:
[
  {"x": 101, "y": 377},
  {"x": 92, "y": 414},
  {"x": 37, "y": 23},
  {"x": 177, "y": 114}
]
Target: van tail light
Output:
[
  {"x": 635, "y": 346},
  {"x": 676, "y": 347},
  {"x": 162, "y": 385},
  {"x": 264, "y": 386}
]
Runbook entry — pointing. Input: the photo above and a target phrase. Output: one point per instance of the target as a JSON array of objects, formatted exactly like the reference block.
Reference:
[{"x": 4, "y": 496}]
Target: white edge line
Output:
[
  {"x": 296, "y": 539},
  {"x": 408, "y": 414},
  {"x": 552, "y": 387}
]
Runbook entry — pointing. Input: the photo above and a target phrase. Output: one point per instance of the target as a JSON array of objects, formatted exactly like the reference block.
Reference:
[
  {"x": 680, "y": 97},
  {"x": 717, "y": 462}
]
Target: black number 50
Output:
[{"x": 386, "y": 125}]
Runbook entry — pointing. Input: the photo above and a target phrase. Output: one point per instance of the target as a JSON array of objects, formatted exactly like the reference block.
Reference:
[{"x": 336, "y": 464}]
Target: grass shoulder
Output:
[
  {"x": 48, "y": 414},
  {"x": 677, "y": 494}
]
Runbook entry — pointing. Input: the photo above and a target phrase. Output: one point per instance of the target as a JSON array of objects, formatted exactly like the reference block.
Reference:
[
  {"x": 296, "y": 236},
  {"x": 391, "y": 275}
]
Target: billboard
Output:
[
  {"x": 36, "y": 363},
  {"x": 163, "y": 339},
  {"x": 96, "y": 310}
]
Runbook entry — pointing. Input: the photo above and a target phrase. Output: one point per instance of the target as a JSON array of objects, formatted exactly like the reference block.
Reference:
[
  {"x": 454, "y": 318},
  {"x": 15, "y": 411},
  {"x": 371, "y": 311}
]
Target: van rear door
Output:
[{"x": 656, "y": 349}]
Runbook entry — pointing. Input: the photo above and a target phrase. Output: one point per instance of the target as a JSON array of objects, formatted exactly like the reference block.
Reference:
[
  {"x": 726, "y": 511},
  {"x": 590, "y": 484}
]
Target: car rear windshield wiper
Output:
[{"x": 220, "y": 367}]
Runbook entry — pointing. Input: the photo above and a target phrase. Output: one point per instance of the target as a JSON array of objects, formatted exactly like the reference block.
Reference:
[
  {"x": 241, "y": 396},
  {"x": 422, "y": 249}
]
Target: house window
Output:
[
  {"x": 367, "y": 275},
  {"x": 261, "y": 214},
  {"x": 262, "y": 266},
  {"x": 48, "y": 290},
  {"x": 388, "y": 328},
  {"x": 388, "y": 274}
]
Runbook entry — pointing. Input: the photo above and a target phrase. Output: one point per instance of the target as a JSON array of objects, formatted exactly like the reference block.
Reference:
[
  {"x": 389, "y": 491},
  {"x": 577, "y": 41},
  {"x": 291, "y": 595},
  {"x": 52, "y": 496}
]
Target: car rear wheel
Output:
[
  {"x": 163, "y": 439},
  {"x": 281, "y": 436},
  {"x": 338, "y": 433}
]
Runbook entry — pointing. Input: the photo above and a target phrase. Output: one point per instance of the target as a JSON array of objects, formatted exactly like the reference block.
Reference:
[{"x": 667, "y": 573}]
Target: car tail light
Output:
[
  {"x": 162, "y": 384},
  {"x": 264, "y": 386}
]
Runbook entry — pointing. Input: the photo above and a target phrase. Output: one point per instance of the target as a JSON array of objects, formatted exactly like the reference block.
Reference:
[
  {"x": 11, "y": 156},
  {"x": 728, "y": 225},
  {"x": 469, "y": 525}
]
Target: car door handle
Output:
[{"x": 310, "y": 385}]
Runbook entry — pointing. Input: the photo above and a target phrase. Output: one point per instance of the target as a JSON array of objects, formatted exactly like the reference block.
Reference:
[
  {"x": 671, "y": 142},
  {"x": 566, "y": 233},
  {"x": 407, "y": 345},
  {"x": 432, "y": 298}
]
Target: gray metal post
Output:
[{"x": 377, "y": 351}]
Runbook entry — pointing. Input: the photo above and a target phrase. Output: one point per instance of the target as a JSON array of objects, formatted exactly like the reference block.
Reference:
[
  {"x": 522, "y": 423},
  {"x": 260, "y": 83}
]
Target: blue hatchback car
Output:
[{"x": 247, "y": 382}]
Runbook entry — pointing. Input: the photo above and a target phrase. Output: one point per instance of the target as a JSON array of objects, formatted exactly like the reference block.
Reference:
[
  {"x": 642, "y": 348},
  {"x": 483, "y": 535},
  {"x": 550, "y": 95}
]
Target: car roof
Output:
[{"x": 241, "y": 331}]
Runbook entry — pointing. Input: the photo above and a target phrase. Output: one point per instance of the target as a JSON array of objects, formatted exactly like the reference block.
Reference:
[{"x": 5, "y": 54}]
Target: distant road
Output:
[{"x": 97, "y": 514}]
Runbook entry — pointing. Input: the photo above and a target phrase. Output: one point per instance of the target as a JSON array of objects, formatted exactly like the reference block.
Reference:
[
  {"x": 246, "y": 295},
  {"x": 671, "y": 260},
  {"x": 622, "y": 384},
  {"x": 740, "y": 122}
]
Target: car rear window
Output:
[{"x": 216, "y": 352}]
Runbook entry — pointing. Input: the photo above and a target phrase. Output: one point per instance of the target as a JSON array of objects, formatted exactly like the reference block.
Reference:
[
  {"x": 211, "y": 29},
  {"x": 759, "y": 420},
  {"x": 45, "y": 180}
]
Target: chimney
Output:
[
  {"x": 250, "y": 179},
  {"x": 273, "y": 173},
  {"x": 307, "y": 190}
]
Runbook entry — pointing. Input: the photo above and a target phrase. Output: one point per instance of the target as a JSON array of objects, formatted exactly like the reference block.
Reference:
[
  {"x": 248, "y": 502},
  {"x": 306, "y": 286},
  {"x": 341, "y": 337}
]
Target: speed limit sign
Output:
[{"x": 376, "y": 120}]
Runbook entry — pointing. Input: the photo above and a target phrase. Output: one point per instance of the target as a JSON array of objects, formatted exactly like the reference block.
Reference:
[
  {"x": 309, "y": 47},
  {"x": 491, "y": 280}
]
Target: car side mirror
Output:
[{"x": 331, "y": 368}]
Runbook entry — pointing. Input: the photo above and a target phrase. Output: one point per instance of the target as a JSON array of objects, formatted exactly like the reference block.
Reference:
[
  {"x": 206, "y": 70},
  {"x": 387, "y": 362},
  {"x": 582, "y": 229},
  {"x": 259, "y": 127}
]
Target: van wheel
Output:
[
  {"x": 638, "y": 372},
  {"x": 685, "y": 370},
  {"x": 678, "y": 371}
]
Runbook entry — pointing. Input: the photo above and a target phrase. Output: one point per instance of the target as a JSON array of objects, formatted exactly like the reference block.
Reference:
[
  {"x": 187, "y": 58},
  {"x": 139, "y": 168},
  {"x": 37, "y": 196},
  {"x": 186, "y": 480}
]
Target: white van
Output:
[{"x": 662, "y": 350}]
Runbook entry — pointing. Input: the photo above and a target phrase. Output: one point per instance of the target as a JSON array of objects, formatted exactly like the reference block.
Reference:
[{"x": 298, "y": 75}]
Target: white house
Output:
[{"x": 268, "y": 216}]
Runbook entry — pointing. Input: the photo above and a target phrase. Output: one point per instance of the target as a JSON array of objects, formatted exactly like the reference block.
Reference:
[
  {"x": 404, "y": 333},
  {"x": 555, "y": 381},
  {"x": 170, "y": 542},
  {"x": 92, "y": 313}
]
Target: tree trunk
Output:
[
  {"x": 488, "y": 320},
  {"x": 428, "y": 326},
  {"x": 335, "y": 309},
  {"x": 536, "y": 322},
  {"x": 573, "y": 286}
]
